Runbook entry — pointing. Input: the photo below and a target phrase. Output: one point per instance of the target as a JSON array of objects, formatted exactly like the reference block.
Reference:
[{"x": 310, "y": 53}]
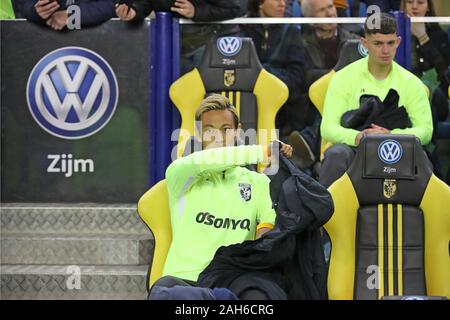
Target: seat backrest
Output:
[
  {"x": 351, "y": 51},
  {"x": 153, "y": 208},
  {"x": 230, "y": 66},
  {"x": 390, "y": 230},
  {"x": 318, "y": 91}
]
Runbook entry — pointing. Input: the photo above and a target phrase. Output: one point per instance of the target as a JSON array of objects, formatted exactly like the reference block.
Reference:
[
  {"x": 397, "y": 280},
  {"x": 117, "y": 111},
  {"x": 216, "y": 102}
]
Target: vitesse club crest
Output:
[
  {"x": 389, "y": 188},
  {"x": 245, "y": 190},
  {"x": 229, "y": 77}
]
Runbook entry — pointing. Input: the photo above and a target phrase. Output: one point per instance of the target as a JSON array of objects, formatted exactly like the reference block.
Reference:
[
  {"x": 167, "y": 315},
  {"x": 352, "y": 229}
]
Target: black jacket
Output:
[
  {"x": 314, "y": 53},
  {"x": 205, "y": 10},
  {"x": 386, "y": 114},
  {"x": 290, "y": 256},
  {"x": 281, "y": 52},
  {"x": 195, "y": 36},
  {"x": 93, "y": 12},
  {"x": 433, "y": 54}
]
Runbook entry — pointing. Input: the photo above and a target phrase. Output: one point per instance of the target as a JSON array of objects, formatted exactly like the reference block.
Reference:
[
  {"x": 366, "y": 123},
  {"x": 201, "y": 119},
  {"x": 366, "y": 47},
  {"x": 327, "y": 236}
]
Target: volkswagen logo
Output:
[
  {"x": 362, "y": 51},
  {"x": 414, "y": 298},
  {"x": 390, "y": 151},
  {"x": 72, "y": 93},
  {"x": 229, "y": 46}
]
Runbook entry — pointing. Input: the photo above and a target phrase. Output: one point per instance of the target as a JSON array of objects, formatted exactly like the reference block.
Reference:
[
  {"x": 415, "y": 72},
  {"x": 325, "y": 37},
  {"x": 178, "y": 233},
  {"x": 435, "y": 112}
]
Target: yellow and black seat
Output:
[
  {"x": 390, "y": 229},
  {"x": 229, "y": 66},
  {"x": 351, "y": 51}
]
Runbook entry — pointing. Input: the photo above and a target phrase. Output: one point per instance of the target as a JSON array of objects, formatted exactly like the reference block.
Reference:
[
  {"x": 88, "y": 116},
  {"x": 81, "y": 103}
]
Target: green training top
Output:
[
  {"x": 6, "y": 10},
  {"x": 214, "y": 202},
  {"x": 348, "y": 84}
]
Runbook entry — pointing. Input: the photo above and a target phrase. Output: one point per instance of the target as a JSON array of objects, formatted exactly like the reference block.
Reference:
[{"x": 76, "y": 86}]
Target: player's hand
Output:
[
  {"x": 359, "y": 136},
  {"x": 45, "y": 8},
  {"x": 374, "y": 129},
  {"x": 378, "y": 130},
  {"x": 418, "y": 29},
  {"x": 184, "y": 8},
  {"x": 285, "y": 149},
  {"x": 124, "y": 12},
  {"x": 58, "y": 20}
]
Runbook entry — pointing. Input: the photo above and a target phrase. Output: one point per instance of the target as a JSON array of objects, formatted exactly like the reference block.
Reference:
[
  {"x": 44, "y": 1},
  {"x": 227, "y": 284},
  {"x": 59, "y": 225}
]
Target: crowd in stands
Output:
[{"x": 297, "y": 54}]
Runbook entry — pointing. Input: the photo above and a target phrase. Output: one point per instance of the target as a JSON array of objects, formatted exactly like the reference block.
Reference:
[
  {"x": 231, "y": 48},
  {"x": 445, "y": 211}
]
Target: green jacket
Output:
[
  {"x": 6, "y": 10},
  {"x": 214, "y": 202},
  {"x": 347, "y": 86}
]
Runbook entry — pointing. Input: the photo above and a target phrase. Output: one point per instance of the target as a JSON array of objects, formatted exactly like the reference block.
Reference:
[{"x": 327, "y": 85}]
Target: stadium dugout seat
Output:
[
  {"x": 350, "y": 52},
  {"x": 229, "y": 66},
  {"x": 390, "y": 211}
]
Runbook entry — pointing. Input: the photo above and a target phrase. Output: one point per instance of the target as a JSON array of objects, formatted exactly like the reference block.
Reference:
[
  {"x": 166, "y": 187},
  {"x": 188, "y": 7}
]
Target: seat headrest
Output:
[
  {"x": 230, "y": 64},
  {"x": 390, "y": 169},
  {"x": 351, "y": 51}
]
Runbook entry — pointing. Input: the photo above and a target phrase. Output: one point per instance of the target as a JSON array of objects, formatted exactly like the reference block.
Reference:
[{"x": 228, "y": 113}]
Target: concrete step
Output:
[
  {"x": 65, "y": 282},
  {"x": 70, "y": 219},
  {"x": 82, "y": 249}
]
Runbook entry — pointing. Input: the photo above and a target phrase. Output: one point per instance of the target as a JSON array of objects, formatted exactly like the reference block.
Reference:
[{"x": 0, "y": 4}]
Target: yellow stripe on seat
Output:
[
  {"x": 264, "y": 225},
  {"x": 400, "y": 248},
  {"x": 390, "y": 251},
  {"x": 238, "y": 102},
  {"x": 380, "y": 252}
]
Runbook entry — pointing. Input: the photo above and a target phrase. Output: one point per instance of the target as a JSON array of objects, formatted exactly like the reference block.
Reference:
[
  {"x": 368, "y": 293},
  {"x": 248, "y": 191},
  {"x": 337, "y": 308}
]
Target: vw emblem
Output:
[
  {"x": 229, "y": 46},
  {"x": 72, "y": 93},
  {"x": 390, "y": 151},
  {"x": 362, "y": 51},
  {"x": 414, "y": 298}
]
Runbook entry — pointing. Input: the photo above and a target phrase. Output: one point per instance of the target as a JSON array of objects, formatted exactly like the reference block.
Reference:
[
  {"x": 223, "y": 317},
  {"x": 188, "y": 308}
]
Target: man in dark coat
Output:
[
  {"x": 54, "y": 12},
  {"x": 281, "y": 52},
  {"x": 193, "y": 37}
]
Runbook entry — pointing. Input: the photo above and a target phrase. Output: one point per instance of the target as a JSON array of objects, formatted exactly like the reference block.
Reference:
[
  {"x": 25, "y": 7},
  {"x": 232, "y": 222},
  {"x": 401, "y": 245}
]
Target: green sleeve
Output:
[
  {"x": 265, "y": 213},
  {"x": 6, "y": 10},
  {"x": 336, "y": 104},
  {"x": 419, "y": 112},
  {"x": 181, "y": 173}
]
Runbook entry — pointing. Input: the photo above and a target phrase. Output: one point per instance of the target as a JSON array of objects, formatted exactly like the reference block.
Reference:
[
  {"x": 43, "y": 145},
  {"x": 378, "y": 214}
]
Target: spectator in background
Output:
[
  {"x": 281, "y": 52},
  {"x": 341, "y": 7},
  {"x": 193, "y": 37},
  {"x": 288, "y": 12},
  {"x": 429, "y": 54},
  {"x": 54, "y": 12},
  {"x": 322, "y": 43}
]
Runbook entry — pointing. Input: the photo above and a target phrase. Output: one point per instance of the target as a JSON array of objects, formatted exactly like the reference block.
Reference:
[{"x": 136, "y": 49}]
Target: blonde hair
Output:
[{"x": 217, "y": 102}]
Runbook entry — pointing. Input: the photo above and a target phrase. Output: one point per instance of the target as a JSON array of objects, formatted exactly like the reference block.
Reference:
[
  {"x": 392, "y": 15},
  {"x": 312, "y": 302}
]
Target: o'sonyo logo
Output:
[
  {"x": 390, "y": 151},
  {"x": 229, "y": 46},
  {"x": 72, "y": 93}
]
